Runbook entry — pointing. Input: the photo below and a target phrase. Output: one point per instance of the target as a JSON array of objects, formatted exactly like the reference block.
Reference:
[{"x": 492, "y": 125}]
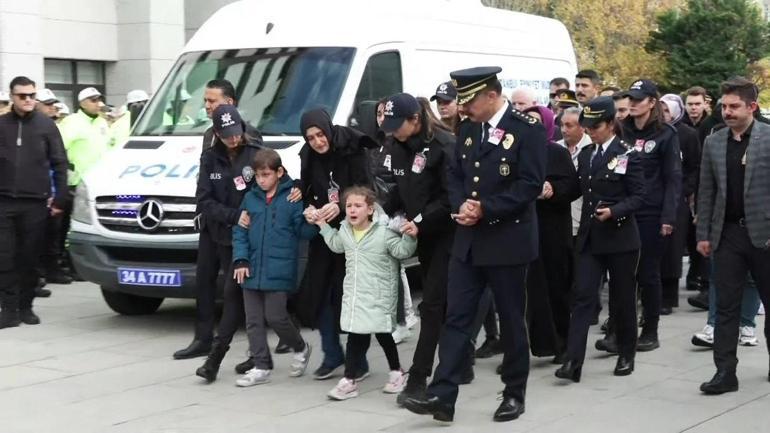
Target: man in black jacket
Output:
[{"x": 30, "y": 147}]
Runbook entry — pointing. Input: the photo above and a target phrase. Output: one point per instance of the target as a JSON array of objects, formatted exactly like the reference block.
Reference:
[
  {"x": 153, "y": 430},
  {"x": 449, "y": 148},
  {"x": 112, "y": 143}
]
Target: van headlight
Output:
[{"x": 81, "y": 210}]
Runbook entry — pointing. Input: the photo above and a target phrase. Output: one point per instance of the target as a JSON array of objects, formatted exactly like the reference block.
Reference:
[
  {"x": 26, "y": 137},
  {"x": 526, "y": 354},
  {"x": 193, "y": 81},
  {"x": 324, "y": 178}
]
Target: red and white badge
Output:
[
  {"x": 495, "y": 135},
  {"x": 639, "y": 145},
  {"x": 418, "y": 165},
  {"x": 240, "y": 184},
  {"x": 622, "y": 165}
]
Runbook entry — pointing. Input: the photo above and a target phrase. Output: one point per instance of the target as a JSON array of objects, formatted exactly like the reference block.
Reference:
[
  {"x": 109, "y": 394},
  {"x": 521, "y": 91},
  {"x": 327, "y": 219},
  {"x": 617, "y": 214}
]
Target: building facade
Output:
[{"x": 113, "y": 45}]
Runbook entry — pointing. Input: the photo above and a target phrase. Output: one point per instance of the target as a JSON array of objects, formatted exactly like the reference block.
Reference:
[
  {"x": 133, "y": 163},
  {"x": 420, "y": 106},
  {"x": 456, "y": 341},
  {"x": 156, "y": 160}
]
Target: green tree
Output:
[{"x": 709, "y": 41}]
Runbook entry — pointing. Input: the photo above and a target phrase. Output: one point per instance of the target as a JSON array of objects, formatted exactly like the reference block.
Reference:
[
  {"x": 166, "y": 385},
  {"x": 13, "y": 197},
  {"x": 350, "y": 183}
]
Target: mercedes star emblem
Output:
[{"x": 150, "y": 215}]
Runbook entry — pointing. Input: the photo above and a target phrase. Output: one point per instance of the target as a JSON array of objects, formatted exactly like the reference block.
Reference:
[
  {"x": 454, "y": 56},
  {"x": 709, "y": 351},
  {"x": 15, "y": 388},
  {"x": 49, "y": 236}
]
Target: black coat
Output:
[
  {"x": 30, "y": 147},
  {"x": 658, "y": 149},
  {"x": 424, "y": 193},
  {"x": 623, "y": 192},
  {"x": 218, "y": 198},
  {"x": 506, "y": 178}
]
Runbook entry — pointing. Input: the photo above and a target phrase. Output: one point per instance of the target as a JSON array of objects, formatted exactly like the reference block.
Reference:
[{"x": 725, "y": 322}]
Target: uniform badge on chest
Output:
[
  {"x": 508, "y": 141},
  {"x": 468, "y": 141},
  {"x": 612, "y": 164},
  {"x": 649, "y": 146},
  {"x": 505, "y": 169}
]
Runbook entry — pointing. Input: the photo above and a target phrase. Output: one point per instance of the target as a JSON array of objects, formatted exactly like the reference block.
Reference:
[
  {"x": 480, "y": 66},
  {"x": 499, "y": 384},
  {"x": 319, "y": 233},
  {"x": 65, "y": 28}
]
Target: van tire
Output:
[{"x": 130, "y": 305}]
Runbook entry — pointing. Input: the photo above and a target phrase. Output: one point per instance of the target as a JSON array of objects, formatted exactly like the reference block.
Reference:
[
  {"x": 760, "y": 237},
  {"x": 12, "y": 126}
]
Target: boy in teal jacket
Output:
[{"x": 265, "y": 262}]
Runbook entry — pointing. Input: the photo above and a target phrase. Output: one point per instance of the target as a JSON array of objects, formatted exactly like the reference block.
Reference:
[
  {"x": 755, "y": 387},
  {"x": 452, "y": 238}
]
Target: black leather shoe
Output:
[
  {"x": 42, "y": 293},
  {"x": 195, "y": 349},
  {"x": 9, "y": 318},
  {"x": 467, "y": 376},
  {"x": 441, "y": 411},
  {"x": 509, "y": 410},
  {"x": 210, "y": 368},
  {"x": 559, "y": 359},
  {"x": 282, "y": 348},
  {"x": 570, "y": 370},
  {"x": 624, "y": 366},
  {"x": 415, "y": 387},
  {"x": 490, "y": 348},
  {"x": 244, "y": 366},
  {"x": 27, "y": 316},
  {"x": 647, "y": 342},
  {"x": 701, "y": 300},
  {"x": 666, "y": 311},
  {"x": 607, "y": 344},
  {"x": 722, "y": 382}
]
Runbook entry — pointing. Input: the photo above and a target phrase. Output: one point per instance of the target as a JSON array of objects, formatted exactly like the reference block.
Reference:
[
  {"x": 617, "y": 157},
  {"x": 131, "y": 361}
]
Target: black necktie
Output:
[
  {"x": 597, "y": 156},
  {"x": 485, "y": 132}
]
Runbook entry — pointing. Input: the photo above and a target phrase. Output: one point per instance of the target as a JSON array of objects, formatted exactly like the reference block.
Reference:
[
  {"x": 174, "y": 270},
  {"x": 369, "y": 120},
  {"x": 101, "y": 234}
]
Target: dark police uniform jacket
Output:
[
  {"x": 624, "y": 193},
  {"x": 422, "y": 190},
  {"x": 506, "y": 178}
]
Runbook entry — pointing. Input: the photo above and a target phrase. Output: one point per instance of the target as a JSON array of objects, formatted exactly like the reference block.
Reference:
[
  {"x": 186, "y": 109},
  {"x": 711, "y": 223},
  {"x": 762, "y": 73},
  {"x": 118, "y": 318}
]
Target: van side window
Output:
[{"x": 382, "y": 77}]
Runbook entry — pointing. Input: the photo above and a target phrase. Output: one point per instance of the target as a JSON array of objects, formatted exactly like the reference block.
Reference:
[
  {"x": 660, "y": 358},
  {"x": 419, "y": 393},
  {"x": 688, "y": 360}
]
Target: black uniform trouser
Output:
[
  {"x": 211, "y": 257},
  {"x": 486, "y": 316},
  {"x": 233, "y": 311},
  {"x": 54, "y": 244},
  {"x": 648, "y": 273},
  {"x": 699, "y": 266},
  {"x": 466, "y": 285},
  {"x": 733, "y": 260},
  {"x": 22, "y": 226},
  {"x": 590, "y": 270},
  {"x": 66, "y": 218},
  {"x": 434, "y": 263}
]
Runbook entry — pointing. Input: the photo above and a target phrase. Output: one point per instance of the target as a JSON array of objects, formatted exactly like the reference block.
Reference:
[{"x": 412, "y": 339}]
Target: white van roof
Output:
[{"x": 366, "y": 23}]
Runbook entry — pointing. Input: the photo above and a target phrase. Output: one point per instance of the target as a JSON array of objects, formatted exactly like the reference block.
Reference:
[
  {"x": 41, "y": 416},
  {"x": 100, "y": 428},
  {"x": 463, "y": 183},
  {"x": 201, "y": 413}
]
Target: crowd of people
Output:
[{"x": 519, "y": 215}]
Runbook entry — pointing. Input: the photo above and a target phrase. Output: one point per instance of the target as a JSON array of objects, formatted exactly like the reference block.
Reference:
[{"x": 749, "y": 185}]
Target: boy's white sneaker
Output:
[
  {"x": 345, "y": 389},
  {"x": 299, "y": 363},
  {"x": 401, "y": 334},
  {"x": 704, "y": 338},
  {"x": 396, "y": 382},
  {"x": 253, "y": 377},
  {"x": 748, "y": 336}
]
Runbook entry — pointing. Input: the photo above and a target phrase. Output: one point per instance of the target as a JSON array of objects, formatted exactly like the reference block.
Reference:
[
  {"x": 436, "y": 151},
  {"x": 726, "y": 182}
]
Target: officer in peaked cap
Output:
[
  {"x": 494, "y": 177},
  {"x": 612, "y": 185}
]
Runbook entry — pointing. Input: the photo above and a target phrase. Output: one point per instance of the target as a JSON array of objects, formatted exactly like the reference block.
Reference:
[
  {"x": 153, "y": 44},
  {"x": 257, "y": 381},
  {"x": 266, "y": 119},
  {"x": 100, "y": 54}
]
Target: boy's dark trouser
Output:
[
  {"x": 232, "y": 313},
  {"x": 358, "y": 345},
  {"x": 733, "y": 260},
  {"x": 270, "y": 307},
  {"x": 22, "y": 225},
  {"x": 211, "y": 257},
  {"x": 434, "y": 261}
]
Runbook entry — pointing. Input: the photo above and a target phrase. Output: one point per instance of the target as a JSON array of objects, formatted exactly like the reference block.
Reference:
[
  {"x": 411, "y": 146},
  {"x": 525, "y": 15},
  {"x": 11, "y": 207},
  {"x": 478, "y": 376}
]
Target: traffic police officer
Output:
[
  {"x": 612, "y": 184},
  {"x": 494, "y": 177}
]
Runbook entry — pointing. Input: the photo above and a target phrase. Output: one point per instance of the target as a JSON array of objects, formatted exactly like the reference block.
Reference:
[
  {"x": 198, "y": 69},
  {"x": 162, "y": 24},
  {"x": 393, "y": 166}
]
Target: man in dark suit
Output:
[
  {"x": 733, "y": 225},
  {"x": 495, "y": 176}
]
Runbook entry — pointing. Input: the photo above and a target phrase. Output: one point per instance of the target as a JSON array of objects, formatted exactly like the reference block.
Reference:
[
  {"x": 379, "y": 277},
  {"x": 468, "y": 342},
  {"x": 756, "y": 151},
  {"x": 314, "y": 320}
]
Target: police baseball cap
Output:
[
  {"x": 445, "y": 92},
  {"x": 227, "y": 121},
  {"x": 87, "y": 93},
  {"x": 136, "y": 96},
  {"x": 47, "y": 97},
  {"x": 642, "y": 89},
  {"x": 469, "y": 82},
  {"x": 601, "y": 109},
  {"x": 398, "y": 108}
]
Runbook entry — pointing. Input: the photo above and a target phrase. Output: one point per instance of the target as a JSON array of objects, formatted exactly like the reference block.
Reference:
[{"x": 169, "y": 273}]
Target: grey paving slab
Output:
[{"x": 86, "y": 369}]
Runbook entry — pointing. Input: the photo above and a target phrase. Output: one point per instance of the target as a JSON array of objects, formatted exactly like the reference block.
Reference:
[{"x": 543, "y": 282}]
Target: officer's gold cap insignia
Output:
[
  {"x": 505, "y": 169},
  {"x": 612, "y": 164},
  {"x": 468, "y": 141},
  {"x": 454, "y": 83},
  {"x": 508, "y": 141},
  {"x": 592, "y": 114}
]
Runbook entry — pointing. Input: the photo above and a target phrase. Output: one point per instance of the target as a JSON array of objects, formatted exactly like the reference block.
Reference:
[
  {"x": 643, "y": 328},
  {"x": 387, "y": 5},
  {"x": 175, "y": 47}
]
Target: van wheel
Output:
[{"x": 130, "y": 305}]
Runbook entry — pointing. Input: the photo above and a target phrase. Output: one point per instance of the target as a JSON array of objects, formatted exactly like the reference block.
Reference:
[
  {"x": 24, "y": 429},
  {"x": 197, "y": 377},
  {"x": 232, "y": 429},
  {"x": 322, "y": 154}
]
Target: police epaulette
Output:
[{"x": 529, "y": 120}]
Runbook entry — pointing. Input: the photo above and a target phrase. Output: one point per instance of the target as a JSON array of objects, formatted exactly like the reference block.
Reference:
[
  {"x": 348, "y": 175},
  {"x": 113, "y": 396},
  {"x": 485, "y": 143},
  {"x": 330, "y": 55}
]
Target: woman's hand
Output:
[
  {"x": 244, "y": 219},
  {"x": 295, "y": 195}
]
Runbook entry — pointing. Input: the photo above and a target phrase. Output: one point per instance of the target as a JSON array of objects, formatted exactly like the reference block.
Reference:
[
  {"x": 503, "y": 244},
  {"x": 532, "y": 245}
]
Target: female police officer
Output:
[{"x": 612, "y": 184}]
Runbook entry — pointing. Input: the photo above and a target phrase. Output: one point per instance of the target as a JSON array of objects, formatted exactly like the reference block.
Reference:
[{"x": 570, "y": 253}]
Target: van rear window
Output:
[{"x": 274, "y": 86}]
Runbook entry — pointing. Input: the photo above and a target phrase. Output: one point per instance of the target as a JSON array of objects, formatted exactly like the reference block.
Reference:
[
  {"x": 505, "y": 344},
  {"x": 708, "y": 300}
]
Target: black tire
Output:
[{"x": 130, "y": 305}]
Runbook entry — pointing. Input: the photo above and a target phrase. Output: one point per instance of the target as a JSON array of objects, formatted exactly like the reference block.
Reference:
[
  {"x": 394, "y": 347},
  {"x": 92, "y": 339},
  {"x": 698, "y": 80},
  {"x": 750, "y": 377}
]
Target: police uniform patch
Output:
[
  {"x": 505, "y": 169},
  {"x": 468, "y": 141},
  {"x": 508, "y": 141},
  {"x": 649, "y": 146},
  {"x": 612, "y": 164}
]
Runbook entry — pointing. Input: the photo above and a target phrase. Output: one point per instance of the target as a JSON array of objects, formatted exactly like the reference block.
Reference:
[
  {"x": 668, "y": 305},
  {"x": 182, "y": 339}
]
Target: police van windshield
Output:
[{"x": 274, "y": 86}]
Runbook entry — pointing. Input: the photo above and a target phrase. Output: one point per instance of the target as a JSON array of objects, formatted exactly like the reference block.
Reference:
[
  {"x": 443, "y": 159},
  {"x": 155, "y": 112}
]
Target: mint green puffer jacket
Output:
[{"x": 370, "y": 290}]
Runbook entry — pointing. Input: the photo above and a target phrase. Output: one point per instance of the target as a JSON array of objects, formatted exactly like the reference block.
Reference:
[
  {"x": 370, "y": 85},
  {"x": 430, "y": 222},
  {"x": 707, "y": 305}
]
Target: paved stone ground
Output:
[{"x": 86, "y": 369}]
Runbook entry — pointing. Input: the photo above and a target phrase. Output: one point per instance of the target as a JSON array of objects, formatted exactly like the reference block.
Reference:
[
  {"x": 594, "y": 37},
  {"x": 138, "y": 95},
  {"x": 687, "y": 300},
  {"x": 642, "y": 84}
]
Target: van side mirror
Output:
[{"x": 364, "y": 118}]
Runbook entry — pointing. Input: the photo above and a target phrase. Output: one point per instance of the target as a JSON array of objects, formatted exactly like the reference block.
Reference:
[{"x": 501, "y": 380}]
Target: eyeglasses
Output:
[{"x": 23, "y": 96}]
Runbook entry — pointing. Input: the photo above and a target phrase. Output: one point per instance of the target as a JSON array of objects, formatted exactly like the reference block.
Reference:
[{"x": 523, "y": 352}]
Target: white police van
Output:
[{"x": 132, "y": 230}]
